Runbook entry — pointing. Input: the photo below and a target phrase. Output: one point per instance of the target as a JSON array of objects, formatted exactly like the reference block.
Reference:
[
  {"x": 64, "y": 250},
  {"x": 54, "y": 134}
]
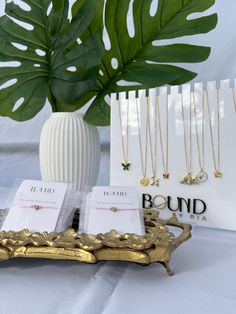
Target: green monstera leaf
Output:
[
  {"x": 140, "y": 57},
  {"x": 42, "y": 56}
]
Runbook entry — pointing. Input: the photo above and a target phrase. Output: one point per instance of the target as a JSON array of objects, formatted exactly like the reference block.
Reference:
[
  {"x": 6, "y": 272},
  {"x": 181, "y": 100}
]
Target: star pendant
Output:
[{"x": 154, "y": 181}]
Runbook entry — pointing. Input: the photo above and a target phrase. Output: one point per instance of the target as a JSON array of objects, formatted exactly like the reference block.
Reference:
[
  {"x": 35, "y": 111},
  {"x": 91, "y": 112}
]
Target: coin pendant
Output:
[{"x": 144, "y": 181}]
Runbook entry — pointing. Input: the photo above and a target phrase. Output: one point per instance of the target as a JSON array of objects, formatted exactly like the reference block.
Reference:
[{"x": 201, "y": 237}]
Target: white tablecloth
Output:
[{"x": 204, "y": 283}]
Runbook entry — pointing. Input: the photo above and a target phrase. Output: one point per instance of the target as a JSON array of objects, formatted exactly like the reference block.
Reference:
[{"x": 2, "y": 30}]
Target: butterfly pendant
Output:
[{"x": 126, "y": 165}]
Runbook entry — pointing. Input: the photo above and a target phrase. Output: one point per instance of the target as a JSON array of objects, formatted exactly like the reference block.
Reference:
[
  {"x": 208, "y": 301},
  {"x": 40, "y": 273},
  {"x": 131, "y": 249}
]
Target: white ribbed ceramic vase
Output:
[{"x": 69, "y": 150}]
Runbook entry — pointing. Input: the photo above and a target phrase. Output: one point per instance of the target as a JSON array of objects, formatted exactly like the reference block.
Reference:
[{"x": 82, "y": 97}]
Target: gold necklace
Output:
[
  {"x": 202, "y": 175},
  {"x": 188, "y": 178},
  {"x": 144, "y": 180},
  {"x": 165, "y": 160},
  {"x": 154, "y": 180},
  {"x": 216, "y": 156},
  {"x": 125, "y": 146}
]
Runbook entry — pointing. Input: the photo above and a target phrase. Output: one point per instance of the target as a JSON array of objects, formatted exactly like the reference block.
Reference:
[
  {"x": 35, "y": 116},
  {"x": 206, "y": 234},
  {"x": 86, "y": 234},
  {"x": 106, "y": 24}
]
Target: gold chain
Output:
[
  {"x": 188, "y": 178},
  {"x": 125, "y": 146},
  {"x": 165, "y": 160},
  {"x": 154, "y": 179},
  {"x": 200, "y": 149},
  {"x": 202, "y": 175},
  {"x": 217, "y": 172},
  {"x": 188, "y": 161},
  {"x": 144, "y": 181}
]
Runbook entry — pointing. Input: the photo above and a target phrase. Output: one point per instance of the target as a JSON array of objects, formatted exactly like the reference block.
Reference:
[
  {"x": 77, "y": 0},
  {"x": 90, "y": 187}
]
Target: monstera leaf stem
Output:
[
  {"x": 53, "y": 102},
  {"x": 101, "y": 86}
]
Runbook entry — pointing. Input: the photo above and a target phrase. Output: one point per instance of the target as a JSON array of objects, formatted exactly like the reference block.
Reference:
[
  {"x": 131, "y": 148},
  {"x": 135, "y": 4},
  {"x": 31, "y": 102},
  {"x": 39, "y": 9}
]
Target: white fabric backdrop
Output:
[{"x": 205, "y": 266}]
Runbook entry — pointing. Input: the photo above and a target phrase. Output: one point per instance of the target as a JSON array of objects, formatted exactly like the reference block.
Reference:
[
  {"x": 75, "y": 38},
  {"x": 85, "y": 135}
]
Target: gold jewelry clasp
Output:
[
  {"x": 36, "y": 207},
  {"x": 114, "y": 209}
]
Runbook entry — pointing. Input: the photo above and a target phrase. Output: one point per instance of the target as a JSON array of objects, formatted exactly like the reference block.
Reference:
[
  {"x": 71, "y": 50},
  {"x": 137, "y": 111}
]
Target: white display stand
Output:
[{"x": 219, "y": 194}]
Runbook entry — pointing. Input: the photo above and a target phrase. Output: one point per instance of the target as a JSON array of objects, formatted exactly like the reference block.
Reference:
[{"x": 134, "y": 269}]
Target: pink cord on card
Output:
[
  {"x": 116, "y": 209},
  {"x": 36, "y": 207}
]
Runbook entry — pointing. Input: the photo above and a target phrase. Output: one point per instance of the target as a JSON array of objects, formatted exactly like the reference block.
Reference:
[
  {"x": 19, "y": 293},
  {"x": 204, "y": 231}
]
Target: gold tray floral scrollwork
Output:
[{"x": 155, "y": 246}]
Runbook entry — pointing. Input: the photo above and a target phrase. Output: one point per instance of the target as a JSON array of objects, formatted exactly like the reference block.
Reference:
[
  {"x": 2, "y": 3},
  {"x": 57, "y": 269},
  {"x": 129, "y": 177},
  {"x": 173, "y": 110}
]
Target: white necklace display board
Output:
[{"x": 210, "y": 203}]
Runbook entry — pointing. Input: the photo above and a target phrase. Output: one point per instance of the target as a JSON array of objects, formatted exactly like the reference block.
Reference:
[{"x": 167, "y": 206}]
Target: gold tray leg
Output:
[{"x": 169, "y": 271}]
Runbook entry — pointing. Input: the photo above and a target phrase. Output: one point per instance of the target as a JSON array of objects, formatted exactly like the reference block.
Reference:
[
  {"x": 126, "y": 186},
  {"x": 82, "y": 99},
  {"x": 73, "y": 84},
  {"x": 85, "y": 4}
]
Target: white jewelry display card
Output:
[
  {"x": 110, "y": 208},
  {"x": 36, "y": 206},
  {"x": 186, "y": 158}
]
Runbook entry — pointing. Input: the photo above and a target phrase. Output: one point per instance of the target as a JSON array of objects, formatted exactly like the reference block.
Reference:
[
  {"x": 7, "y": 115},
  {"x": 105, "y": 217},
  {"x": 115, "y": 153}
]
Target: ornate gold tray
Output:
[{"x": 156, "y": 246}]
